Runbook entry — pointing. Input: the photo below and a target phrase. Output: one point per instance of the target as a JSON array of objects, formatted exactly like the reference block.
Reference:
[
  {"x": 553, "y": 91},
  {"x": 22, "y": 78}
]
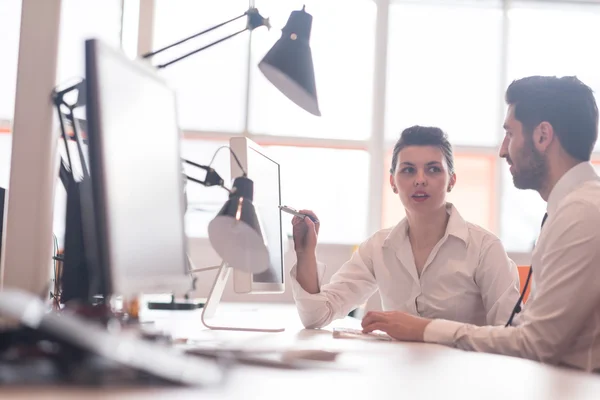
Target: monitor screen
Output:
[
  {"x": 267, "y": 198},
  {"x": 135, "y": 166}
]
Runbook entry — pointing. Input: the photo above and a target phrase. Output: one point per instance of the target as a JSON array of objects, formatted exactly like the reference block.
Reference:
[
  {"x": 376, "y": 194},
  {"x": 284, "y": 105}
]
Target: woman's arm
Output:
[
  {"x": 349, "y": 287},
  {"x": 498, "y": 280}
]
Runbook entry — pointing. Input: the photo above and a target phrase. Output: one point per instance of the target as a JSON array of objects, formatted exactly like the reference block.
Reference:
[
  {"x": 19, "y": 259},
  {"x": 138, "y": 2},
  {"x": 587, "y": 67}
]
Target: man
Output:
[{"x": 551, "y": 128}]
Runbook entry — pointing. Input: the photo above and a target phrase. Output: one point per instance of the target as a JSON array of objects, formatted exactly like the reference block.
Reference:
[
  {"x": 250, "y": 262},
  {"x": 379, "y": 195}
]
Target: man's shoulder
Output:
[
  {"x": 583, "y": 202},
  {"x": 586, "y": 194}
]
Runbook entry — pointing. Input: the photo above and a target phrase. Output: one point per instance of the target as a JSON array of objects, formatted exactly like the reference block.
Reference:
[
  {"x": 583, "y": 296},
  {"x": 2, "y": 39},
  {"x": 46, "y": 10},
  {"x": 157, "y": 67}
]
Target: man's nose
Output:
[{"x": 503, "y": 149}]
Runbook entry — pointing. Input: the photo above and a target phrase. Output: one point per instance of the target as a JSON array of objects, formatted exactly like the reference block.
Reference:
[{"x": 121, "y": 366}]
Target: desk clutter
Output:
[
  {"x": 67, "y": 349},
  {"x": 137, "y": 362},
  {"x": 71, "y": 348}
]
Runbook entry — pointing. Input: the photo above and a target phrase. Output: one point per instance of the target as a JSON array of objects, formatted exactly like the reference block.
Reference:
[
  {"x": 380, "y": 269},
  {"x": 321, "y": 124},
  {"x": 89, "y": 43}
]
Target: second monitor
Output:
[
  {"x": 135, "y": 166},
  {"x": 265, "y": 172}
]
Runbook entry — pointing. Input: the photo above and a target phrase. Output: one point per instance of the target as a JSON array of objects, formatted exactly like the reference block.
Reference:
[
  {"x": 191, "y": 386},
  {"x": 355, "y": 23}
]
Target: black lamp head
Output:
[
  {"x": 235, "y": 232},
  {"x": 289, "y": 65}
]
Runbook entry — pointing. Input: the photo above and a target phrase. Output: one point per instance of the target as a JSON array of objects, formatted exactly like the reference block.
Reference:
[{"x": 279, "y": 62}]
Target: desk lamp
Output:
[
  {"x": 235, "y": 232},
  {"x": 288, "y": 65}
]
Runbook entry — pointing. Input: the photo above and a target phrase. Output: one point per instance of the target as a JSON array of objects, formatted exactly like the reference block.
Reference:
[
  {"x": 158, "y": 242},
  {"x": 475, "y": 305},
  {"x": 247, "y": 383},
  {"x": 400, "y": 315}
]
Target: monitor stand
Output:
[{"x": 212, "y": 303}]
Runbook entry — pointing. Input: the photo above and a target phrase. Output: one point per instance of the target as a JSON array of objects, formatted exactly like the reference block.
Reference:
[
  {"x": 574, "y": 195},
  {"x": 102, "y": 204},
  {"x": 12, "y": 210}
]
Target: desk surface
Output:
[{"x": 364, "y": 369}]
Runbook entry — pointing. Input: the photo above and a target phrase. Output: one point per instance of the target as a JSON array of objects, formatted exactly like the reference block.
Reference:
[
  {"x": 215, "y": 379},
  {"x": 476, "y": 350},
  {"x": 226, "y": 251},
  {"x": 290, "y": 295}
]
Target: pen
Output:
[{"x": 290, "y": 210}]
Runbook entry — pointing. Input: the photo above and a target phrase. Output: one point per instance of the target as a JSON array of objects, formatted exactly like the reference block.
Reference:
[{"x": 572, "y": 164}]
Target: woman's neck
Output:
[{"x": 425, "y": 230}]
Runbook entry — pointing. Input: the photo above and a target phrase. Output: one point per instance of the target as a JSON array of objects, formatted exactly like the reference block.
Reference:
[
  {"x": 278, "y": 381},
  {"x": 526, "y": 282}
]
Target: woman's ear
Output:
[
  {"x": 452, "y": 182},
  {"x": 393, "y": 184}
]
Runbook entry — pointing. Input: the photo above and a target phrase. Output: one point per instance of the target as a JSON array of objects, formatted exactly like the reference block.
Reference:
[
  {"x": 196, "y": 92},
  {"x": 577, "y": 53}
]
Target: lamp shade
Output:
[
  {"x": 289, "y": 65},
  {"x": 235, "y": 232}
]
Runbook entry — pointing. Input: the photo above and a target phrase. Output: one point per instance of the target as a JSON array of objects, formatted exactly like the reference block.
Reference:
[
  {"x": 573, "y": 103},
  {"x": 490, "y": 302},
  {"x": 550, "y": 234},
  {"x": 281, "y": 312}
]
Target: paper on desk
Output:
[
  {"x": 272, "y": 358},
  {"x": 348, "y": 333}
]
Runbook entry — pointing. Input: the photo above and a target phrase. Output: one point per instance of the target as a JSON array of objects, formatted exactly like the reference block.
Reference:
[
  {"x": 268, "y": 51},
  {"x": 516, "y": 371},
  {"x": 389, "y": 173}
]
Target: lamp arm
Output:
[
  {"x": 254, "y": 20},
  {"x": 204, "y": 183},
  {"x": 153, "y": 53},
  {"x": 160, "y": 66},
  {"x": 212, "y": 177}
]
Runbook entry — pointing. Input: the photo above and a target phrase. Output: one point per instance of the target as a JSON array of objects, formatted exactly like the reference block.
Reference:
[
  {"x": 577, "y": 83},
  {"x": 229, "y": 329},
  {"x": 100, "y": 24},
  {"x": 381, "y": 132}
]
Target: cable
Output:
[
  {"x": 234, "y": 156},
  {"x": 194, "y": 270}
]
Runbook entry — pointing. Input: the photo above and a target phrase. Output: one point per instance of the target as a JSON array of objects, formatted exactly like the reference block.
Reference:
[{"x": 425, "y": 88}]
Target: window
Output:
[
  {"x": 448, "y": 65},
  {"x": 443, "y": 69},
  {"x": 521, "y": 215},
  {"x": 10, "y": 22},
  {"x": 393, "y": 210},
  {"x": 331, "y": 182},
  {"x": 130, "y": 27},
  {"x": 211, "y": 86},
  {"x": 342, "y": 43},
  {"x": 81, "y": 20},
  {"x": 569, "y": 48},
  {"x": 473, "y": 194},
  {"x": 5, "y": 155}
]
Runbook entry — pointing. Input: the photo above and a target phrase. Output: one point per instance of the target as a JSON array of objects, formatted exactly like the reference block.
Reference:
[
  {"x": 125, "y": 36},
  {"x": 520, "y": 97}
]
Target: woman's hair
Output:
[{"x": 424, "y": 136}]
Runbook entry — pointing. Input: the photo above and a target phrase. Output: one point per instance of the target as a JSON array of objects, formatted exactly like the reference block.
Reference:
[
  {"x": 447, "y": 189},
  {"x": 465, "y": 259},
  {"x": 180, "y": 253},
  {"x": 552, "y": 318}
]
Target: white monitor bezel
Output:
[{"x": 243, "y": 282}]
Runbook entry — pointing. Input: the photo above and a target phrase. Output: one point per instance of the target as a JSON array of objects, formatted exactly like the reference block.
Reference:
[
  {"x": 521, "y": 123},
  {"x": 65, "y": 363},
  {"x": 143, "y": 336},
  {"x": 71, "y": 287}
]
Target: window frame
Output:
[{"x": 376, "y": 145}]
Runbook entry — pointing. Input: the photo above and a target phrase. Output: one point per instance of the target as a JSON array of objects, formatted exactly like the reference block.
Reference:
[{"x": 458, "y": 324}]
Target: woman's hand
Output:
[
  {"x": 397, "y": 324},
  {"x": 305, "y": 233}
]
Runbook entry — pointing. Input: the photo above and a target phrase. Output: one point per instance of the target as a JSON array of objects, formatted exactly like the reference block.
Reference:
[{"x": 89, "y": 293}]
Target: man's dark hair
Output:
[
  {"x": 424, "y": 136},
  {"x": 565, "y": 103}
]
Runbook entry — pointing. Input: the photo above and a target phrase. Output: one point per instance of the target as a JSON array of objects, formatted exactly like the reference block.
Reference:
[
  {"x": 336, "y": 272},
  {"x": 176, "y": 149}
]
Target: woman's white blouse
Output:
[{"x": 468, "y": 277}]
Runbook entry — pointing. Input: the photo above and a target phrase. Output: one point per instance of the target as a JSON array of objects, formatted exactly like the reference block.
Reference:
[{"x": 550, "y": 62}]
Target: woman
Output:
[{"x": 432, "y": 263}]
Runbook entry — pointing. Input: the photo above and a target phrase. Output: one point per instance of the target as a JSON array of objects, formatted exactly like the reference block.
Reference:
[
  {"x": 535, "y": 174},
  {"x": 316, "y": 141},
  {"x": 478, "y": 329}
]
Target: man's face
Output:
[{"x": 527, "y": 165}]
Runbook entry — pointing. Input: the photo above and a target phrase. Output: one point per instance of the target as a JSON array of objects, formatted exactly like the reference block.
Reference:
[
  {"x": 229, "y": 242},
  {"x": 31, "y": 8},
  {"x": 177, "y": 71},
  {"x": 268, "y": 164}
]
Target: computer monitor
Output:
[
  {"x": 82, "y": 279},
  {"x": 135, "y": 169},
  {"x": 265, "y": 172}
]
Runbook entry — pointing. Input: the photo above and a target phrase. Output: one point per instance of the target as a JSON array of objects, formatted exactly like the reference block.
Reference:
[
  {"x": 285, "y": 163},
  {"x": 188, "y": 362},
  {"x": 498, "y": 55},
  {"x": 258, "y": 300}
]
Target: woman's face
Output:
[{"x": 421, "y": 178}]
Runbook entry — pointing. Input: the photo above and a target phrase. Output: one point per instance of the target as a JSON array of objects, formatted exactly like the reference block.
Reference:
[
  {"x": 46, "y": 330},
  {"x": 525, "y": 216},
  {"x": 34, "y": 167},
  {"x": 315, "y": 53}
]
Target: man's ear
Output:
[{"x": 543, "y": 135}]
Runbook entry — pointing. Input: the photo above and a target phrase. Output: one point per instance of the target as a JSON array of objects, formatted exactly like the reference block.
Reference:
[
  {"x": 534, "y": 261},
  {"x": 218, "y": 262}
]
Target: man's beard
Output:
[{"x": 532, "y": 173}]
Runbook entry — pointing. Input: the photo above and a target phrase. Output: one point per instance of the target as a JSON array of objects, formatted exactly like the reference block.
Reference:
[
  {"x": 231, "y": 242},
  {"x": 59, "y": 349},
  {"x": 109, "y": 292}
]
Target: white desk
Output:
[{"x": 365, "y": 369}]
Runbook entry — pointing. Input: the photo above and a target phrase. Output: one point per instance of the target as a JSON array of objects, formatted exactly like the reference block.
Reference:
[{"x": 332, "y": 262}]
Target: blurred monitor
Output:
[
  {"x": 81, "y": 277},
  {"x": 135, "y": 168},
  {"x": 265, "y": 172}
]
